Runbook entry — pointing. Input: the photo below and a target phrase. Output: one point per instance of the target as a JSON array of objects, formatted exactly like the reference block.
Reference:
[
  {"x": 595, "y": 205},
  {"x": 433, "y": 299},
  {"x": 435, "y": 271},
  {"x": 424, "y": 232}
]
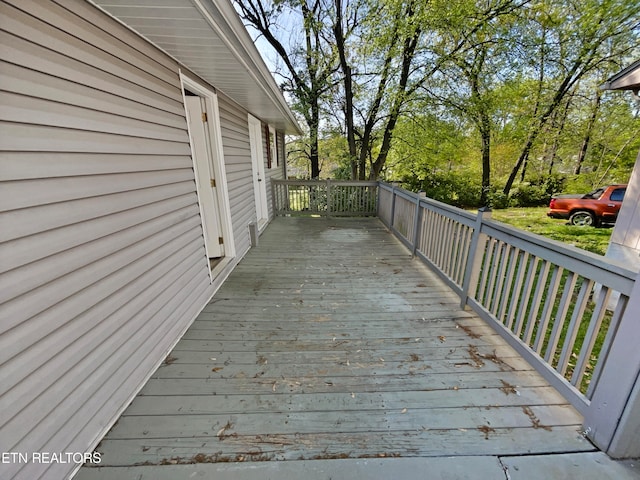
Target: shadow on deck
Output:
[{"x": 329, "y": 341}]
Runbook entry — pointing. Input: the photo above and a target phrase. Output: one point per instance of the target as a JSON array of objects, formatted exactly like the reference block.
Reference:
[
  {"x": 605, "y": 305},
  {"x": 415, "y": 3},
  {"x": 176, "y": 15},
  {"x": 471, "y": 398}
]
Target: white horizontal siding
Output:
[
  {"x": 22, "y": 109},
  {"x": 87, "y": 186},
  {"x": 627, "y": 230},
  {"x": 17, "y": 281},
  {"x": 21, "y": 80},
  {"x": 24, "y": 222},
  {"x": 23, "y": 52},
  {"x": 59, "y": 32},
  {"x": 237, "y": 156},
  {"x": 28, "y": 165},
  {"x": 102, "y": 259},
  {"x": 38, "y": 246}
]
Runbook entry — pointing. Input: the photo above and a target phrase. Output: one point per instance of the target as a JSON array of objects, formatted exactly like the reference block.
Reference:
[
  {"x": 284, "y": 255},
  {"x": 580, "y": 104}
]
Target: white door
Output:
[
  {"x": 259, "y": 180},
  {"x": 205, "y": 178}
]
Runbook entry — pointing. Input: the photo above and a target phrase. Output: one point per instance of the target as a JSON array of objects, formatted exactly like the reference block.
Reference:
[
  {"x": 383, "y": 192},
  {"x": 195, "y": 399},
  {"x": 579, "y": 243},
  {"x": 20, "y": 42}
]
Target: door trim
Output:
[
  {"x": 259, "y": 173},
  {"x": 217, "y": 163}
]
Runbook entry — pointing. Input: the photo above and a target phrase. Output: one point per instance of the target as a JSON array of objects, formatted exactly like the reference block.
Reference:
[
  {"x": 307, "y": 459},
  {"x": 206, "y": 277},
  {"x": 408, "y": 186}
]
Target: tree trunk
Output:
[
  {"x": 587, "y": 136},
  {"x": 338, "y": 32},
  {"x": 408, "y": 54},
  {"x": 562, "y": 90},
  {"x": 314, "y": 156},
  {"x": 551, "y": 158},
  {"x": 525, "y": 164},
  {"x": 307, "y": 86},
  {"x": 485, "y": 134},
  {"x": 521, "y": 159}
]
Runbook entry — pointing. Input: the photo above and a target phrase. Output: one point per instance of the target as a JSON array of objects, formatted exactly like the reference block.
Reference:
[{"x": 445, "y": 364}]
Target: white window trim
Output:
[{"x": 273, "y": 146}]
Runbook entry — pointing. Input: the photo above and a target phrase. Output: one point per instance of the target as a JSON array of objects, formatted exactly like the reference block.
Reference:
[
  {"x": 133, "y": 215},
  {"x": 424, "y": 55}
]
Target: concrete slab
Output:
[
  {"x": 582, "y": 466},
  {"x": 436, "y": 468}
]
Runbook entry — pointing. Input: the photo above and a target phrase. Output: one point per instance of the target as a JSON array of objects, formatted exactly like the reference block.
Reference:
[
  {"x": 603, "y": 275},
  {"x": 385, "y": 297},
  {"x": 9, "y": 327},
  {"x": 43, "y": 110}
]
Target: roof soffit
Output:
[{"x": 208, "y": 38}]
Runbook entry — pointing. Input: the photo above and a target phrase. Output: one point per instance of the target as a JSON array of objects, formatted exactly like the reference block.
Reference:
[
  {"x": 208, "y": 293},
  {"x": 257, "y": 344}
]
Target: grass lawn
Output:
[{"x": 535, "y": 220}]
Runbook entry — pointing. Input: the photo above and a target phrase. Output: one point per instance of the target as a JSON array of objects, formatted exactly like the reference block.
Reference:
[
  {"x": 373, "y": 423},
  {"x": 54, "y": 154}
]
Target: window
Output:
[
  {"x": 618, "y": 195},
  {"x": 272, "y": 150},
  {"x": 595, "y": 195}
]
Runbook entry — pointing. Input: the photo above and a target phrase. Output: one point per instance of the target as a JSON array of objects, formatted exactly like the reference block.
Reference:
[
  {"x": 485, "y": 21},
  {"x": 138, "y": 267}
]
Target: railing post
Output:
[
  {"x": 474, "y": 260},
  {"x": 274, "y": 205},
  {"x": 393, "y": 205},
  {"x": 613, "y": 418},
  {"x": 416, "y": 222},
  {"x": 328, "y": 198}
]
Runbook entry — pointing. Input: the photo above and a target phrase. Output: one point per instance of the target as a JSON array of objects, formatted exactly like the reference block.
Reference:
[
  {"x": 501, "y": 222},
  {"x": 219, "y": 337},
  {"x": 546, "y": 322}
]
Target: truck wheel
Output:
[{"x": 582, "y": 218}]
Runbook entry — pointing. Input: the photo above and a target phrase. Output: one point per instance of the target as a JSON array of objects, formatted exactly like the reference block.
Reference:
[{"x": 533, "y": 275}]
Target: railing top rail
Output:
[{"x": 346, "y": 183}]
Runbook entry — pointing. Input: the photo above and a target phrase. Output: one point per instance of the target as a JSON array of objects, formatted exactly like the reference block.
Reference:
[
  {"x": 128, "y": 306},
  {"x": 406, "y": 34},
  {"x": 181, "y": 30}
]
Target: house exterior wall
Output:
[
  {"x": 625, "y": 238},
  {"x": 102, "y": 257},
  {"x": 237, "y": 155},
  {"x": 276, "y": 172}
]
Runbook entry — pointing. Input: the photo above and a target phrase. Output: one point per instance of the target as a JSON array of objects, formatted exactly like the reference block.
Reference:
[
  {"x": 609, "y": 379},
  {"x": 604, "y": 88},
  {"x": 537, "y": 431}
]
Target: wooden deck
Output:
[{"x": 329, "y": 341}]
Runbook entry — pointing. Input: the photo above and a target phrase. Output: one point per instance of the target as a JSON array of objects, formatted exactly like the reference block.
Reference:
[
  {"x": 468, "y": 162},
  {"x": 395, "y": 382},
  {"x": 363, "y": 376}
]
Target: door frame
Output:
[
  {"x": 217, "y": 164},
  {"x": 258, "y": 169}
]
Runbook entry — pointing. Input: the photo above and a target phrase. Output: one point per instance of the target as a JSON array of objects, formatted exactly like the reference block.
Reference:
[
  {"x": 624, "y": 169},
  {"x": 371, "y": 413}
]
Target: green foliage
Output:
[
  {"x": 486, "y": 79},
  {"x": 537, "y": 192},
  {"x": 455, "y": 188}
]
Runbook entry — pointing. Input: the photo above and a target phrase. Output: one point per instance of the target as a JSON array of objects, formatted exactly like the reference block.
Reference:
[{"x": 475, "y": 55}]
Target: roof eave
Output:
[
  {"x": 627, "y": 79},
  {"x": 246, "y": 52},
  {"x": 221, "y": 52}
]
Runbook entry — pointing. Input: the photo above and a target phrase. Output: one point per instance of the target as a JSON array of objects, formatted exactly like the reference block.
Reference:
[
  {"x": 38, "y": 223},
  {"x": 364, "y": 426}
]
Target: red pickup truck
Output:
[{"x": 595, "y": 208}]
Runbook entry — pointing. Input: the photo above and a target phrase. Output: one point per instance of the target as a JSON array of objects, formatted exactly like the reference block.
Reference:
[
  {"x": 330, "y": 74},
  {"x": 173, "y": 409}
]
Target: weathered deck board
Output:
[
  {"x": 387, "y": 383},
  {"x": 428, "y": 443},
  {"x": 212, "y": 404},
  {"x": 329, "y": 341}
]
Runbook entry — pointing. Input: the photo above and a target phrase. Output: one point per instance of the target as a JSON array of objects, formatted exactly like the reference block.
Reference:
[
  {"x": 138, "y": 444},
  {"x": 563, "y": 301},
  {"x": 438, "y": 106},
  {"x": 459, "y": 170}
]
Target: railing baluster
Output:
[
  {"x": 422, "y": 227},
  {"x": 591, "y": 335},
  {"x": 547, "y": 311},
  {"x": 463, "y": 252},
  {"x": 502, "y": 267},
  {"x": 515, "y": 298},
  {"x": 574, "y": 325},
  {"x": 618, "y": 312},
  {"x": 449, "y": 243},
  {"x": 561, "y": 315},
  {"x": 440, "y": 222},
  {"x": 526, "y": 295},
  {"x": 392, "y": 215},
  {"x": 429, "y": 244},
  {"x": 454, "y": 245},
  {"x": 481, "y": 294},
  {"x": 416, "y": 229},
  {"x": 474, "y": 259},
  {"x": 536, "y": 301},
  {"x": 514, "y": 252}
]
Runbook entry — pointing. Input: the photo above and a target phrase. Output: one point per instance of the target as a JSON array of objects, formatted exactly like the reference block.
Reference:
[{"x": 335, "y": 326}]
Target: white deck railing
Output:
[
  {"x": 559, "y": 306},
  {"x": 326, "y": 198}
]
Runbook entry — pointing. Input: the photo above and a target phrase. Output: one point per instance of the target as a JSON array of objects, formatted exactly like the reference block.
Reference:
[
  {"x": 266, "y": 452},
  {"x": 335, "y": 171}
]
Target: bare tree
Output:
[{"x": 308, "y": 65}]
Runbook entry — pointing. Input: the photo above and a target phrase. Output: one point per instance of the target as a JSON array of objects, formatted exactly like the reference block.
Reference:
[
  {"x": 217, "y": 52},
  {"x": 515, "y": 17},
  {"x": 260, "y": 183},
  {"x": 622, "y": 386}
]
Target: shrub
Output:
[
  {"x": 537, "y": 192},
  {"x": 452, "y": 188}
]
